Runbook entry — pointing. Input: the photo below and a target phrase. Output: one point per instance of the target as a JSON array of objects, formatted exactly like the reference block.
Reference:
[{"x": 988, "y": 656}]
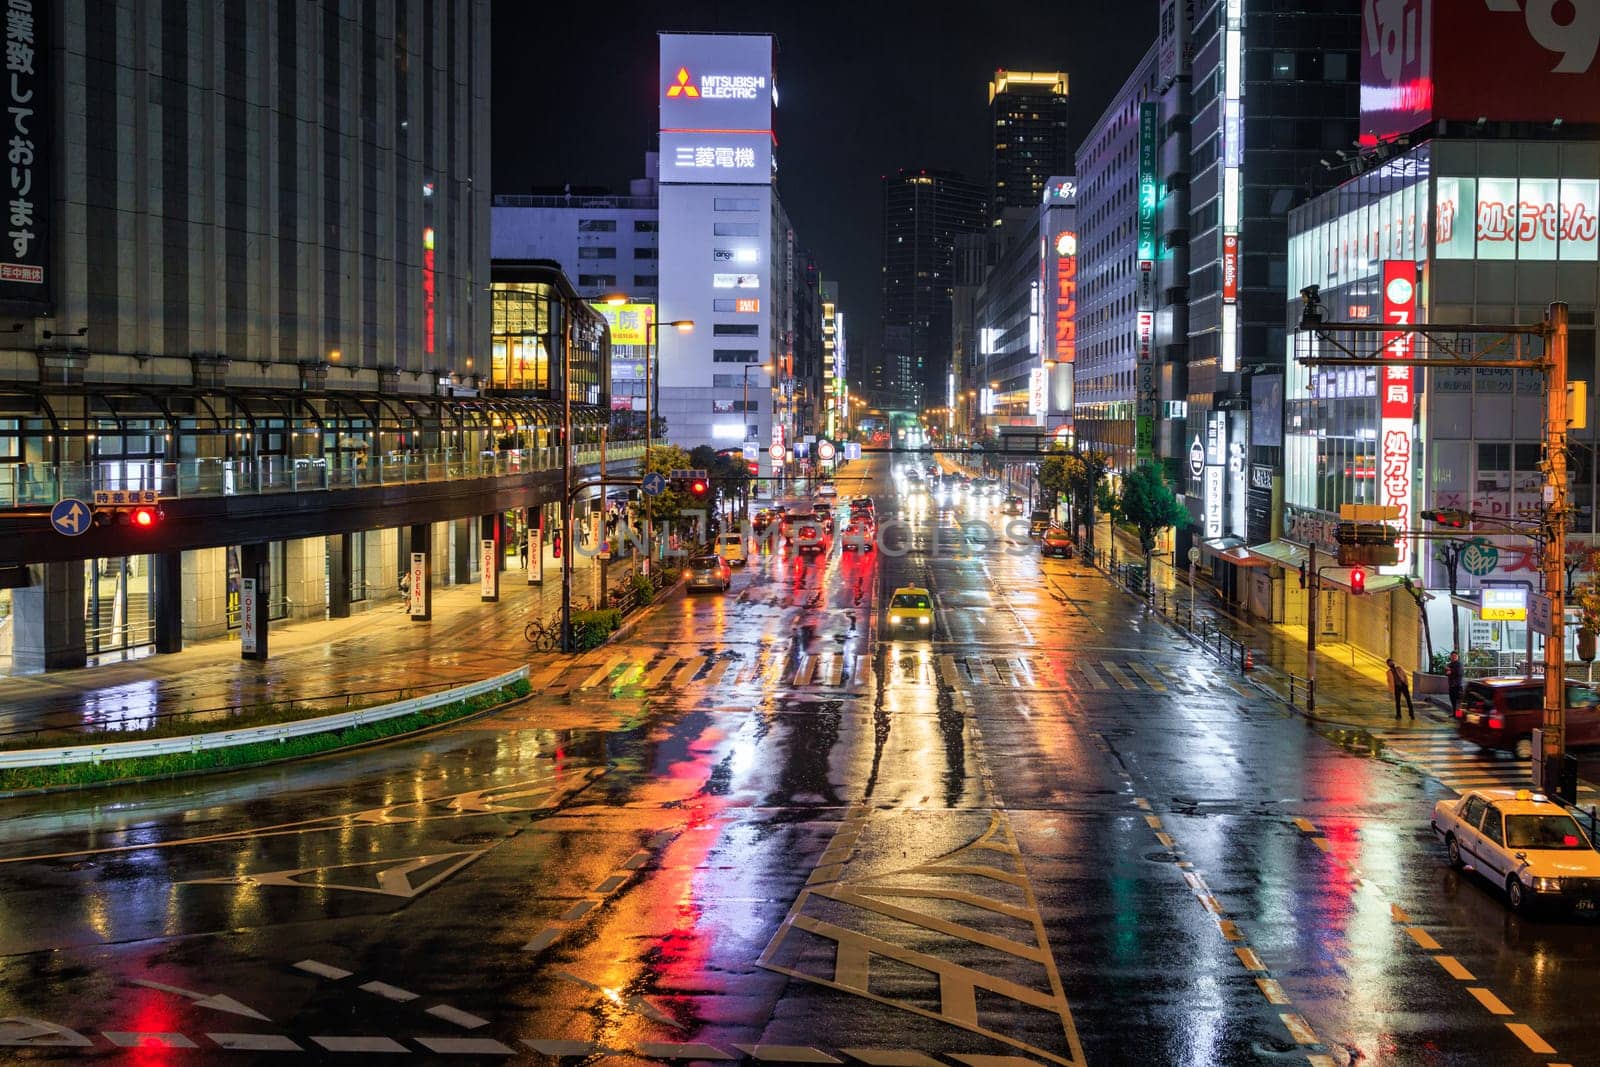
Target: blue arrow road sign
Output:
[
  {"x": 653, "y": 484},
  {"x": 70, "y": 517}
]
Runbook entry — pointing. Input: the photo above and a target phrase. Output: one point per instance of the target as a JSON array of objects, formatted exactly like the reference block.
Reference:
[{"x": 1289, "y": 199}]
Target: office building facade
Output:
[
  {"x": 268, "y": 308},
  {"x": 1028, "y": 118},
  {"x": 726, "y": 250},
  {"x": 923, "y": 213}
]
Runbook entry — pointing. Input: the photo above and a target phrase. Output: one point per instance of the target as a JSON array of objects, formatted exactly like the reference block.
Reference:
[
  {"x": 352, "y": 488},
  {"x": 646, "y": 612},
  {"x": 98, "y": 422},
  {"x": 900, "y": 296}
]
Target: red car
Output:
[
  {"x": 859, "y": 535},
  {"x": 1056, "y": 542},
  {"x": 1502, "y": 713}
]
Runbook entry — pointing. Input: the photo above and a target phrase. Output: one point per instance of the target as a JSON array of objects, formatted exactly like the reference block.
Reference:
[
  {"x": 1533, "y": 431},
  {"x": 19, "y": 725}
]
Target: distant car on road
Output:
[
  {"x": 826, "y": 491},
  {"x": 1038, "y": 522},
  {"x": 810, "y": 538},
  {"x": 911, "y": 608},
  {"x": 730, "y": 546},
  {"x": 709, "y": 572},
  {"x": 1014, "y": 505},
  {"x": 859, "y": 535},
  {"x": 1524, "y": 843},
  {"x": 1056, "y": 542},
  {"x": 1502, "y": 713}
]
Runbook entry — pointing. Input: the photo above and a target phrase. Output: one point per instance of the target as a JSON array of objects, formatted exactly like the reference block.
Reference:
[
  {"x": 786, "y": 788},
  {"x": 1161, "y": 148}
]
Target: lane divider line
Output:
[{"x": 1451, "y": 966}]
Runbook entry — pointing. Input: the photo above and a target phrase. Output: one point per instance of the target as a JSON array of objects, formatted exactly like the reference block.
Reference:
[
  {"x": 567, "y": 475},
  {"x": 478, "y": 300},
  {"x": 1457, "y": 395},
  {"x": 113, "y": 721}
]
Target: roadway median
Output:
[{"x": 54, "y": 767}]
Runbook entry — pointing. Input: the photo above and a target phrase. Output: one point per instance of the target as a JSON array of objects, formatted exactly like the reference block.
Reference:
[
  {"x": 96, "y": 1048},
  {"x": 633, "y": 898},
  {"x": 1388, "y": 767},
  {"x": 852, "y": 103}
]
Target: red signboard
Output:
[
  {"x": 1423, "y": 60},
  {"x": 1230, "y": 267},
  {"x": 1066, "y": 308},
  {"x": 1396, "y": 397},
  {"x": 427, "y": 289}
]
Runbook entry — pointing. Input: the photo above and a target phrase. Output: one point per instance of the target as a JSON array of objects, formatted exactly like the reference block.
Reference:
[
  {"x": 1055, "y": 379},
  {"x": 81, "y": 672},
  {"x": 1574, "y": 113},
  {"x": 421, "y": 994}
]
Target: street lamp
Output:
[
  {"x": 744, "y": 408},
  {"x": 652, "y": 339}
]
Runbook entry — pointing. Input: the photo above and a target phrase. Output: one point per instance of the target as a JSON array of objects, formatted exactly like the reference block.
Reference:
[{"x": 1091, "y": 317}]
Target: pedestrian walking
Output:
[
  {"x": 1453, "y": 677},
  {"x": 1400, "y": 688},
  {"x": 524, "y": 553}
]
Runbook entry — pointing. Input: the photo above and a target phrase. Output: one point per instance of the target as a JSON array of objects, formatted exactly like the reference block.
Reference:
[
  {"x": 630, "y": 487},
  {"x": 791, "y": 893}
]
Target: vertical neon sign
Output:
[
  {"x": 1395, "y": 401},
  {"x": 427, "y": 289}
]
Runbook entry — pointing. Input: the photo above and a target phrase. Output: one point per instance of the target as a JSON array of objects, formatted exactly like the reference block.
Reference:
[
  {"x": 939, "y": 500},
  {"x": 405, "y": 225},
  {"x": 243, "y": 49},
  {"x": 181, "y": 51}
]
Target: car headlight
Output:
[
  {"x": 1547, "y": 885},
  {"x": 925, "y": 620},
  {"x": 894, "y": 620}
]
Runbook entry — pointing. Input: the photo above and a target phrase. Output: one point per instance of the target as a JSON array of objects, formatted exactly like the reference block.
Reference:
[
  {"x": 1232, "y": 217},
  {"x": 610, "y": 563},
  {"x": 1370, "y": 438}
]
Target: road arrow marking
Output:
[
  {"x": 215, "y": 1001},
  {"x": 20, "y": 1030},
  {"x": 392, "y": 880}
]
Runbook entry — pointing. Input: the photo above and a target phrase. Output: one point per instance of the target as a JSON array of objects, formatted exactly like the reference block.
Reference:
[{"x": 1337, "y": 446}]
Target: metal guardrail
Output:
[{"x": 51, "y": 757}]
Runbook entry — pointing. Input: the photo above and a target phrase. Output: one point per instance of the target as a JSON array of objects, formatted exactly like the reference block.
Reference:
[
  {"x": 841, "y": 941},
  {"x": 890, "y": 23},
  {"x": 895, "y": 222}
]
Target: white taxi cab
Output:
[{"x": 1524, "y": 842}]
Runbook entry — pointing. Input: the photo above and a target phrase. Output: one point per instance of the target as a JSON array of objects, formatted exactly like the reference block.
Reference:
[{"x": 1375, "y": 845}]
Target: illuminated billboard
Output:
[
  {"x": 629, "y": 322},
  {"x": 719, "y": 81},
  {"x": 716, "y": 157},
  {"x": 1500, "y": 60}
]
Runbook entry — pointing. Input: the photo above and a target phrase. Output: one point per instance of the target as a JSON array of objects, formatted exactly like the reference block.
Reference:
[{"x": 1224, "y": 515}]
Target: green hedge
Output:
[
  {"x": 591, "y": 628},
  {"x": 109, "y": 772}
]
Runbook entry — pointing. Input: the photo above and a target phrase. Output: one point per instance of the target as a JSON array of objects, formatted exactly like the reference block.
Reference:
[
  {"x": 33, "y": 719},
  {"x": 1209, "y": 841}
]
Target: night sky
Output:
[{"x": 864, "y": 88}]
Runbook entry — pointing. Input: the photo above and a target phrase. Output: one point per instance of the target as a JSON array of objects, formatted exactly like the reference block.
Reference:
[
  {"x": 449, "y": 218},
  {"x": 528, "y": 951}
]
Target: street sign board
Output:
[
  {"x": 825, "y": 450},
  {"x": 1480, "y": 558},
  {"x": 1540, "y": 613},
  {"x": 70, "y": 517},
  {"x": 852, "y": 450},
  {"x": 776, "y": 451},
  {"x": 1194, "y": 555},
  {"x": 653, "y": 484},
  {"x": 1504, "y": 604},
  {"x": 125, "y": 497}
]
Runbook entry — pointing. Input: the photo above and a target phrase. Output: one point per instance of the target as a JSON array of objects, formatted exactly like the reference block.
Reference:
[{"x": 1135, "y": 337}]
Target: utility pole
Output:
[
  {"x": 1547, "y": 776},
  {"x": 1487, "y": 349},
  {"x": 1313, "y": 594}
]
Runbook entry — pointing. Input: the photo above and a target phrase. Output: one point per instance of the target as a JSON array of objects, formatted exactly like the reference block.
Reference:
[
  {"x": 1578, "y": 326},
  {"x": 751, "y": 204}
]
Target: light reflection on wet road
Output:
[{"x": 1052, "y": 832}]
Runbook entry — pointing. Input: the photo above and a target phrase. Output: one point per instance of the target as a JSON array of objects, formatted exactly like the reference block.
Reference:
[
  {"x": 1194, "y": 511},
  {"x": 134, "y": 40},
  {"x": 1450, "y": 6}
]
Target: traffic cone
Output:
[{"x": 1249, "y": 660}]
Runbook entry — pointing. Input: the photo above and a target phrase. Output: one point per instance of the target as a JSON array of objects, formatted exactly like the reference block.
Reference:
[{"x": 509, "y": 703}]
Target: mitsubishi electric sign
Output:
[{"x": 721, "y": 82}]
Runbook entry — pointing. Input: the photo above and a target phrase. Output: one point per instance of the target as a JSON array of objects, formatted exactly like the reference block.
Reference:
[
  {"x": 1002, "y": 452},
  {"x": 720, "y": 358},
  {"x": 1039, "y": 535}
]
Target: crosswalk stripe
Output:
[
  {"x": 991, "y": 674},
  {"x": 602, "y": 671},
  {"x": 626, "y": 678},
  {"x": 659, "y": 672},
  {"x": 1121, "y": 679},
  {"x": 543, "y": 679},
  {"x": 720, "y": 668},
  {"x": 803, "y": 673},
  {"x": 947, "y": 671},
  {"x": 835, "y": 671},
  {"x": 690, "y": 668},
  {"x": 1094, "y": 679},
  {"x": 1151, "y": 680}
]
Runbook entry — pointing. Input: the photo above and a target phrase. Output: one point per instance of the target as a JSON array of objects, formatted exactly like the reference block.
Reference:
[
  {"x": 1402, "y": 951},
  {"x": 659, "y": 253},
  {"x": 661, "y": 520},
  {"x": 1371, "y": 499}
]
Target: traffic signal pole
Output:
[{"x": 1547, "y": 769}]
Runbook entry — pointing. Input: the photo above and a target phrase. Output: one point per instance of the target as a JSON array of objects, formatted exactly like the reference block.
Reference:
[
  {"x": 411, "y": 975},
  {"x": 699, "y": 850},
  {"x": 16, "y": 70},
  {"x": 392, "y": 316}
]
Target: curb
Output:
[{"x": 411, "y": 735}]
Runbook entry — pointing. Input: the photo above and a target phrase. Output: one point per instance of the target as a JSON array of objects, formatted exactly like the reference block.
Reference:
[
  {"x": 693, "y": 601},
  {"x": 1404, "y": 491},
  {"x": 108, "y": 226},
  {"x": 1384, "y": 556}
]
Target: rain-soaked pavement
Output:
[{"x": 1053, "y": 833}]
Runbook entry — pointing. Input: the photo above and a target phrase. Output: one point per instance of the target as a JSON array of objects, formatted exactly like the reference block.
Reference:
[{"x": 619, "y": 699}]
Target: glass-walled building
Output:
[
  {"x": 536, "y": 314},
  {"x": 1452, "y": 231}
]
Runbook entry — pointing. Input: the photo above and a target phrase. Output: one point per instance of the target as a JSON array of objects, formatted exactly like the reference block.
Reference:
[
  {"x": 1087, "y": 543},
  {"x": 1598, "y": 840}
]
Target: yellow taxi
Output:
[
  {"x": 1524, "y": 843},
  {"x": 911, "y": 608}
]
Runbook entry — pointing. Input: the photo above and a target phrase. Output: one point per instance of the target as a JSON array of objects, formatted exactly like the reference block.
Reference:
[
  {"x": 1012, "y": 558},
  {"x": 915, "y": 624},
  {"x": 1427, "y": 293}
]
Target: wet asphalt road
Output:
[{"x": 1053, "y": 832}]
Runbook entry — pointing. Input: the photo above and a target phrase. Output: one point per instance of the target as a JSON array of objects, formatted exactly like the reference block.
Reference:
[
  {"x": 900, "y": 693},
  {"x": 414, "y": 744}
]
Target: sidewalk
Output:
[
  {"x": 373, "y": 653},
  {"x": 1351, "y": 687}
]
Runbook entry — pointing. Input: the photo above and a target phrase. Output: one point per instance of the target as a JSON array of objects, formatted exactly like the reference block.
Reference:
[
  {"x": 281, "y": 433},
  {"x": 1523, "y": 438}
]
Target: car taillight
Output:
[{"x": 1496, "y": 722}]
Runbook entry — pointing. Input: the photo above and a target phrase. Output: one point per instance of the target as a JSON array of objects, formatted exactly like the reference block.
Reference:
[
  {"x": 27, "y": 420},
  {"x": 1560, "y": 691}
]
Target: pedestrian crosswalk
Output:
[
  {"x": 1460, "y": 765},
  {"x": 665, "y": 671},
  {"x": 1064, "y": 671},
  {"x": 773, "y": 668}
]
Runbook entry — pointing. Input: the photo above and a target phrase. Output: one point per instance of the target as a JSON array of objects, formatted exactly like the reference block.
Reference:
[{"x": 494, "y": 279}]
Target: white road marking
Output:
[
  {"x": 465, "y": 1046},
  {"x": 389, "y": 992},
  {"x": 464, "y": 1019},
  {"x": 360, "y": 1044},
  {"x": 214, "y": 1001},
  {"x": 323, "y": 970},
  {"x": 143, "y": 1039},
  {"x": 255, "y": 1042}
]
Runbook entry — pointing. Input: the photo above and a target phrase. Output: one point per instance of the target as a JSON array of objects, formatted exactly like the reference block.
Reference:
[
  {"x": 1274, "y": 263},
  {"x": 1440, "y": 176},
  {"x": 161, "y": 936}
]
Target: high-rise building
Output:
[
  {"x": 726, "y": 251},
  {"x": 1028, "y": 117},
  {"x": 923, "y": 213},
  {"x": 1110, "y": 272}
]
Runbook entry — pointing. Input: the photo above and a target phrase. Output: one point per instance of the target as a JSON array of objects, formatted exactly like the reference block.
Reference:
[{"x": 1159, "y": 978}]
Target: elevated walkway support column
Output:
[
  {"x": 491, "y": 557},
  {"x": 169, "y": 601},
  {"x": 47, "y": 627},
  {"x": 339, "y": 558}
]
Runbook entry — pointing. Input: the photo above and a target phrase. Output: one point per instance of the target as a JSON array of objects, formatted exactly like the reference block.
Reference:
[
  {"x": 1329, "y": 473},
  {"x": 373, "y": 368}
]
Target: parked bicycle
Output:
[{"x": 541, "y": 635}]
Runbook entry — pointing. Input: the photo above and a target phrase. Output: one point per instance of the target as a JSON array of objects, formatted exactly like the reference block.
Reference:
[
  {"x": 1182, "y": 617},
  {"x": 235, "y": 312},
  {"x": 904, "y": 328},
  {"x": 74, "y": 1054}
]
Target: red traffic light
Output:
[
  {"x": 698, "y": 488},
  {"x": 1358, "y": 580},
  {"x": 145, "y": 517}
]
